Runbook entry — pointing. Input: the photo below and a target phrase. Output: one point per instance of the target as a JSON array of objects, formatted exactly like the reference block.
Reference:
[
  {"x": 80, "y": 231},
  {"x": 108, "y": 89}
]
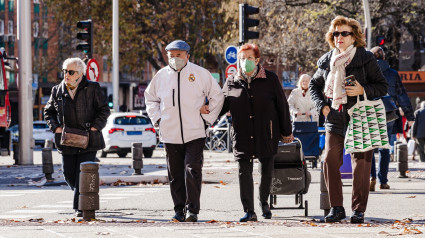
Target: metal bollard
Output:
[
  {"x": 89, "y": 190},
  {"x": 402, "y": 160},
  {"x": 16, "y": 152},
  {"x": 48, "y": 144},
  {"x": 137, "y": 153},
  {"x": 324, "y": 195},
  {"x": 47, "y": 160}
]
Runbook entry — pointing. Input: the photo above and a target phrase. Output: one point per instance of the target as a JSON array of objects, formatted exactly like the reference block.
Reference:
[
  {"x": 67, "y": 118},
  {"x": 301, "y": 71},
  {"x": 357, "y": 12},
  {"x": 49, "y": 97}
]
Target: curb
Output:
[{"x": 134, "y": 179}]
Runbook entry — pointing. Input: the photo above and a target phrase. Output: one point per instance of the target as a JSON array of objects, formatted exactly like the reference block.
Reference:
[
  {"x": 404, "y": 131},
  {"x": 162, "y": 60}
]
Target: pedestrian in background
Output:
[
  {"x": 418, "y": 132},
  {"x": 260, "y": 116},
  {"x": 348, "y": 57},
  {"x": 174, "y": 99},
  {"x": 300, "y": 104},
  {"x": 80, "y": 104},
  {"x": 397, "y": 91}
]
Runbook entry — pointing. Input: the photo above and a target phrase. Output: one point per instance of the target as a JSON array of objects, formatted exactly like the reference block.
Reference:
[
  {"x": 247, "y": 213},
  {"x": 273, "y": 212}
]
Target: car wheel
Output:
[
  {"x": 103, "y": 154},
  {"x": 122, "y": 154},
  {"x": 147, "y": 153}
]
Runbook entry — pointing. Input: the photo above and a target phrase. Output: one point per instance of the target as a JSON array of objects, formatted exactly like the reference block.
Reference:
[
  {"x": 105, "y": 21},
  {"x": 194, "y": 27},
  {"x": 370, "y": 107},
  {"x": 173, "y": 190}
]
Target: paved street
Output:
[{"x": 143, "y": 209}]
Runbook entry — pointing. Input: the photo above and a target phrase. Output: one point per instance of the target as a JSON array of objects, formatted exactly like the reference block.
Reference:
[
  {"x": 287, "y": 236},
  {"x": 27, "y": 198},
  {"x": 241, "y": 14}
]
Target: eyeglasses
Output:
[
  {"x": 71, "y": 72},
  {"x": 344, "y": 33},
  {"x": 249, "y": 58}
]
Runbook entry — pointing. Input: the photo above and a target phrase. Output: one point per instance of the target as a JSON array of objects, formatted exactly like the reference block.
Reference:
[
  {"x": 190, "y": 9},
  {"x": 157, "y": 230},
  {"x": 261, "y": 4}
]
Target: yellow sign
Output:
[{"x": 412, "y": 76}]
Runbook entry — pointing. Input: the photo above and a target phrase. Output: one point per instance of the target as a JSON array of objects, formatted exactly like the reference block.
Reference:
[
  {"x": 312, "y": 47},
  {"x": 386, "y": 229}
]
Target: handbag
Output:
[
  {"x": 367, "y": 128},
  {"x": 75, "y": 137},
  {"x": 390, "y": 108}
]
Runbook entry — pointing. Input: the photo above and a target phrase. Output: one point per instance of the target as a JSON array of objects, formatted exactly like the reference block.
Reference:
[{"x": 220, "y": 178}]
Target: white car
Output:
[
  {"x": 122, "y": 129},
  {"x": 40, "y": 133}
]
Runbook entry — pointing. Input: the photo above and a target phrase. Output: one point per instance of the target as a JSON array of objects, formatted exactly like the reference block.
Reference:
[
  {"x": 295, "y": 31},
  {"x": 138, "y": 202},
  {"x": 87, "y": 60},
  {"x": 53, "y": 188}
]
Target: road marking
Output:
[
  {"x": 53, "y": 232},
  {"x": 10, "y": 195},
  {"x": 34, "y": 211},
  {"x": 53, "y": 206},
  {"x": 116, "y": 232},
  {"x": 23, "y": 192},
  {"x": 12, "y": 216}
]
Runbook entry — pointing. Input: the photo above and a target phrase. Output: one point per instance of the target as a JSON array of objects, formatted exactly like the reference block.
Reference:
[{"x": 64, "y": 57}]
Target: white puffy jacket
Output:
[
  {"x": 299, "y": 103},
  {"x": 177, "y": 97}
]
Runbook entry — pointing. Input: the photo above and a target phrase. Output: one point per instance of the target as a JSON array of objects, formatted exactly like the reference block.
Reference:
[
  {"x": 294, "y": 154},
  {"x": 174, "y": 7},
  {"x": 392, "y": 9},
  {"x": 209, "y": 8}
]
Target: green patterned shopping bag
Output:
[{"x": 367, "y": 128}]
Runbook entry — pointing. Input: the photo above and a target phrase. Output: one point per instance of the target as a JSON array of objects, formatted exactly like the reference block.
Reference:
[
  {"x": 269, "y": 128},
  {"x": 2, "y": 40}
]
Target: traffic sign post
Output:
[
  {"x": 231, "y": 54},
  {"x": 92, "y": 72},
  {"x": 231, "y": 70}
]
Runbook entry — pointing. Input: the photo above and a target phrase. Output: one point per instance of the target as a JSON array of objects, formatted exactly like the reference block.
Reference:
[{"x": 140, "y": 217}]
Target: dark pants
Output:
[
  {"x": 420, "y": 148},
  {"x": 246, "y": 182},
  {"x": 361, "y": 164},
  {"x": 71, "y": 171},
  {"x": 384, "y": 159},
  {"x": 184, "y": 162}
]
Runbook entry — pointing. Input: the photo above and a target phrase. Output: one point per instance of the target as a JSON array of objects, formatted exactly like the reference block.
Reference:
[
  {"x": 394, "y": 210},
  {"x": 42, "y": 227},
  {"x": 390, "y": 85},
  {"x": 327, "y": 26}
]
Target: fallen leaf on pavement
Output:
[
  {"x": 222, "y": 183},
  {"x": 217, "y": 187},
  {"x": 228, "y": 172},
  {"x": 211, "y": 221},
  {"x": 364, "y": 225},
  {"x": 411, "y": 197},
  {"x": 102, "y": 233},
  {"x": 210, "y": 172},
  {"x": 310, "y": 223},
  {"x": 410, "y": 231},
  {"x": 160, "y": 167}
]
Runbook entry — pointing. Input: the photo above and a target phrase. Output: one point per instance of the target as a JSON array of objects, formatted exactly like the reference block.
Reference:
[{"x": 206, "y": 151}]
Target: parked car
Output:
[
  {"x": 40, "y": 132},
  {"x": 122, "y": 129}
]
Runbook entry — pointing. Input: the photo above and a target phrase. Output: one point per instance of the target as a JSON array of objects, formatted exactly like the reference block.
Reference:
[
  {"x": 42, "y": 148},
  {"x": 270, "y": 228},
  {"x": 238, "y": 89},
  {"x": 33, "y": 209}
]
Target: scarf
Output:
[
  {"x": 335, "y": 85},
  {"x": 72, "y": 87}
]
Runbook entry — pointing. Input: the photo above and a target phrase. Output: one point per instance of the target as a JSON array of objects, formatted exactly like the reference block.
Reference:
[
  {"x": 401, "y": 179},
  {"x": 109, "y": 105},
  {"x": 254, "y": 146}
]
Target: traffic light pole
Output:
[
  {"x": 368, "y": 24},
  {"x": 115, "y": 56},
  {"x": 25, "y": 83}
]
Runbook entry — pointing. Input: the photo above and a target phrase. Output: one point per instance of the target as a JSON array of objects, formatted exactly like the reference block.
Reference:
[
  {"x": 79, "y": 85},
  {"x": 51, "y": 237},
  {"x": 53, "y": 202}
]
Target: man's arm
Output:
[
  {"x": 403, "y": 99},
  {"x": 152, "y": 102},
  {"x": 215, "y": 99}
]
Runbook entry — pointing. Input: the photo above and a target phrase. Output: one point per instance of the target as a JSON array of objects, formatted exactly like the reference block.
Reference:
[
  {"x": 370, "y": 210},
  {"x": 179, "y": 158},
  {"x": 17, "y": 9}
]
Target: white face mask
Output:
[{"x": 177, "y": 63}]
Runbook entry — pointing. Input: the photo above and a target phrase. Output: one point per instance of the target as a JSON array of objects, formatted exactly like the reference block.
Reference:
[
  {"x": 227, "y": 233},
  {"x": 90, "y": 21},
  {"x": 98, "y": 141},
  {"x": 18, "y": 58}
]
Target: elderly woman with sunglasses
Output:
[
  {"x": 332, "y": 97},
  {"x": 80, "y": 104}
]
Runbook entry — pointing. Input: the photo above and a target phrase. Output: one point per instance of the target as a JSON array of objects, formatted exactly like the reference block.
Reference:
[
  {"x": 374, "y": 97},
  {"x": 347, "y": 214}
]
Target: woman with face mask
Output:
[{"x": 260, "y": 118}]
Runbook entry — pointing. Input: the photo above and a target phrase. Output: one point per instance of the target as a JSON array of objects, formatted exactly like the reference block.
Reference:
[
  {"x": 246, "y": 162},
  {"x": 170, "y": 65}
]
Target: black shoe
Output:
[
  {"x": 191, "y": 217},
  {"x": 335, "y": 215},
  {"x": 357, "y": 217},
  {"x": 249, "y": 216},
  {"x": 267, "y": 214},
  {"x": 179, "y": 216},
  {"x": 78, "y": 213}
]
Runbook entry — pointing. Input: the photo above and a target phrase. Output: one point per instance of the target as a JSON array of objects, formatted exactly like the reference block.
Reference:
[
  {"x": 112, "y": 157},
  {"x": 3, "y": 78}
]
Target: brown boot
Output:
[
  {"x": 372, "y": 184},
  {"x": 384, "y": 186}
]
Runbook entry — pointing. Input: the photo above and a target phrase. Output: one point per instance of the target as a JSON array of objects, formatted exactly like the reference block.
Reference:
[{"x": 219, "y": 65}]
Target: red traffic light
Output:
[{"x": 380, "y": 40}]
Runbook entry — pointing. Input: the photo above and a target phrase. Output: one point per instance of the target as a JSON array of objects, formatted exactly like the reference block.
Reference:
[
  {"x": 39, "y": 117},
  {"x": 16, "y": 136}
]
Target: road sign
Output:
[
  {"x": 92, "y": 72},
  {"x": 231, "y": 54},
  {"x": 231, "y": 70}
]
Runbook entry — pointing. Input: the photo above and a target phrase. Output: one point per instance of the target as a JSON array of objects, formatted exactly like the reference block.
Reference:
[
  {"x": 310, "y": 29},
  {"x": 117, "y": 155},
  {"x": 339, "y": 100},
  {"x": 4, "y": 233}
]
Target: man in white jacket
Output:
[{"x": 175, "y": 99}]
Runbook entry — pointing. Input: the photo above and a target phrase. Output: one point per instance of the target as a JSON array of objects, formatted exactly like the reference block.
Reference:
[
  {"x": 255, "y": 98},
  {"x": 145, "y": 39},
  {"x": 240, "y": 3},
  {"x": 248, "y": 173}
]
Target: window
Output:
[
  {"x": 131, "y": 120},
  {"x": 11, "y": 48},
  {"x": 35, "y": 29},
  {"x": 2, "y": 5},
  {"x": 1, "y": 27},
  {"x": 10, "y": 27},
  {"x": 36, "y": 9},
  {"x": 45, "y": 33},
  {"x": 11, "y": 3}
]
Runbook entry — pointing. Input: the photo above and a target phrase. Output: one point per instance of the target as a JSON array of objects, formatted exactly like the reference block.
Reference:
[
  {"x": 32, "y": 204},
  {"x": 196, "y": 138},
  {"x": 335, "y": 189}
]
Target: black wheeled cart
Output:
[{"x": 290, "y": 175}]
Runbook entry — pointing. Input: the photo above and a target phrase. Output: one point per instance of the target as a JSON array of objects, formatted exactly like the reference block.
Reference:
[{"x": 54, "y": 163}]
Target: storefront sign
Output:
[{"x": 412, "y": 76}]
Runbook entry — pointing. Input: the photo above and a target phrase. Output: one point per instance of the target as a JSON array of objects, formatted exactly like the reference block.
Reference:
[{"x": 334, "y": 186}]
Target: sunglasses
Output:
[
  {"x": 344, "y": 33},
  {"x": 70, "y": 72}
]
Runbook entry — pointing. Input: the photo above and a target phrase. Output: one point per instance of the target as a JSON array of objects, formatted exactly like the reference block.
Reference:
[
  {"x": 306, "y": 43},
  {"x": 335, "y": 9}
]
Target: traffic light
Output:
[
  {"x": 380, "y": 40},
  {"x": 86, "y": 36},
  {"x": 110, "y": 102},
  {"x": 245, "y": 22}
]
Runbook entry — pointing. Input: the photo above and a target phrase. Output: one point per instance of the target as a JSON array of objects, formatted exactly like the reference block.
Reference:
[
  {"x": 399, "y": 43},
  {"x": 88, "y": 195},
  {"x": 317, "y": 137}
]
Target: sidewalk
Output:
[{"x": 398, "y": 211}]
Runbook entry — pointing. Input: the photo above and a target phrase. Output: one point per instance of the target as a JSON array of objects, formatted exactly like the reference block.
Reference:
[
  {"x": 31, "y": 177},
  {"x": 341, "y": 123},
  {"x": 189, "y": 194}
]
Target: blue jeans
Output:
[{"x": 384, "y": 158}]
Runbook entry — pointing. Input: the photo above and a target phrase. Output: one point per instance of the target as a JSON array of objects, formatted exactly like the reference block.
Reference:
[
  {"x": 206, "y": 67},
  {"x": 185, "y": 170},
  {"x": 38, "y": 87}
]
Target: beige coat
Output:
[{"x": 299, "y": 103}]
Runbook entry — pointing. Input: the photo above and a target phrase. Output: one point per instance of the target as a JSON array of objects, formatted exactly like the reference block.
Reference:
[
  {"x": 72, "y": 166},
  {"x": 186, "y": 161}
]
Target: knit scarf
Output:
[
  {"x": 72, "y": 87},
  {"x": 335, "y": 85}
]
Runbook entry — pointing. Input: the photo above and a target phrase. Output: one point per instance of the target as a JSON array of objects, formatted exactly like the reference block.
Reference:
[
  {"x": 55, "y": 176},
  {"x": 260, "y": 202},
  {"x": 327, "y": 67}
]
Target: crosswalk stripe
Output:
[
  {"x": 53, "y": 206},
  {"x": 34, "y": 211},
  {"x": 13, "y": 216}
]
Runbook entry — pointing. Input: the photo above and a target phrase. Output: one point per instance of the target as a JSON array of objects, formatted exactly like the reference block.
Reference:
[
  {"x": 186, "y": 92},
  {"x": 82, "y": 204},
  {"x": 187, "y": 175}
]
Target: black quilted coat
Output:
[
  {"x": 366, "y": 71},
  {"x": 88, "y": 109}
]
